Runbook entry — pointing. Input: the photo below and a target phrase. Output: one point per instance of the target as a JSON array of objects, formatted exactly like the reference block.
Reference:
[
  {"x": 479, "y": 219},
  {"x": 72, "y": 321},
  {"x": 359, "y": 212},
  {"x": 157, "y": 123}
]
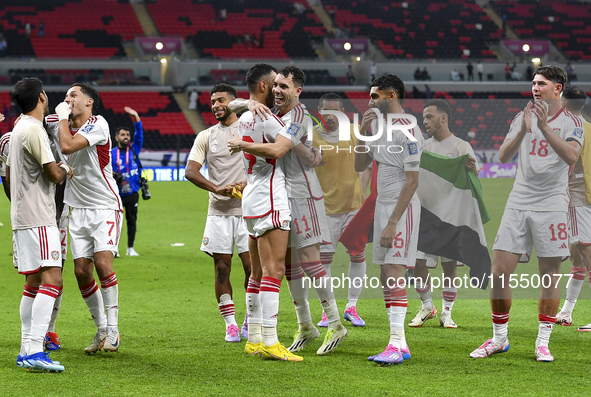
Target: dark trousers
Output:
[{"x": 130, "y": 205}]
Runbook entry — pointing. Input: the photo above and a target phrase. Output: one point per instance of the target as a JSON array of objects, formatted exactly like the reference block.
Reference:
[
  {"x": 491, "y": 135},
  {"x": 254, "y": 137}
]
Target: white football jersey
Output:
[
  {"x": 394, "y": 158},
  {"x": 265, "y": 190},
  {"x": 452, "y": 147},
  {"x": 541, "y": 181},
  {"x": 92, "y": 185},
  {"x": 4, "y": 148},
  {"x": 301, "y": 181}
]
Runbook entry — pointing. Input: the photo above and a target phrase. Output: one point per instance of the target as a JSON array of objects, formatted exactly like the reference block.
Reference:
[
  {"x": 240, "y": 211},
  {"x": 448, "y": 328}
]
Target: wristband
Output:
[
  {"x": 65, "y": 168},
  {"x": 238, "y": 145}
]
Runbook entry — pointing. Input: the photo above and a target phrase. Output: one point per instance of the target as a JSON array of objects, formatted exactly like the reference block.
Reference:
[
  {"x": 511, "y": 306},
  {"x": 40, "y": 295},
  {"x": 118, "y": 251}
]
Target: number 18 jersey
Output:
[{"x": 541, "y": 180}]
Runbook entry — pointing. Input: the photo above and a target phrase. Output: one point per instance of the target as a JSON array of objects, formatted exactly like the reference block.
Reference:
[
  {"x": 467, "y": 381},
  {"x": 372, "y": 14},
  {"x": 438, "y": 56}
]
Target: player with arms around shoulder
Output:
[
  {"x": 95, "y": 217},
  {"x": 398, "y": 209},
  {"x": 436, "y": 117},
  {"x": 224, "y": 227},
  {"x": 549, "y": 140},
  {"x": 573, "y": 99},
  {"x": 265, "y": 209},
  {"x": 32, "y": 174}
]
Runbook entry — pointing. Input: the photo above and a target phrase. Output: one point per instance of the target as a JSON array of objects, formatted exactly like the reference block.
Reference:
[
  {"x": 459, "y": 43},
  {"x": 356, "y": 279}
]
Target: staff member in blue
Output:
[{"x": 125, "y": 163}]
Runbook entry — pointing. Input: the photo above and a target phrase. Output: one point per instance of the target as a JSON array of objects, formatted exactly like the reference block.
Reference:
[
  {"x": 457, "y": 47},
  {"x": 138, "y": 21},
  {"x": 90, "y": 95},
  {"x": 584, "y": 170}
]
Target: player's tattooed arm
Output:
[{"x": 240, "y": 105}]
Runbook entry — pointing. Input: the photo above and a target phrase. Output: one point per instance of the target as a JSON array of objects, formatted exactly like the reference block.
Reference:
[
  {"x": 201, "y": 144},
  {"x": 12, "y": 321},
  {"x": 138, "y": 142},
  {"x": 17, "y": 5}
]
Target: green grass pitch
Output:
[{"x": 172, "y": 334}]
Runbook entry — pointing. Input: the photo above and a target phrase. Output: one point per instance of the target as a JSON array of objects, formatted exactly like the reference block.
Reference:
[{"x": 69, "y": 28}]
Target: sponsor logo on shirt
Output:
[
  {"x": 412, "y": 148},
  {"x": 578, "y": 132},
  {"x": 86, "y": 129}
]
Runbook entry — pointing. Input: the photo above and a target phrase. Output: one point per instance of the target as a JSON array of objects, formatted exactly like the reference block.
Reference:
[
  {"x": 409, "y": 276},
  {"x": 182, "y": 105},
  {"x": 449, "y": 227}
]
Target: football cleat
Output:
[
  {"x": 232, "y": 334},
  {"x": 244, "y": 331},
  {"x": 278, "y": 352},
  {"x": 422, "y": 316},
  {"x": 132, "y": 252},
  {"x": 390, "y": 356},
  {"x": 324, "y": 322},
  {"x": 585, "y": 328},
  {"x": 351, "y": 315},
  {"x": 252, "y": 348},
  {"x": 112, "y": 341},
  {"x": 543, "y": 354},
  {"x": 564, "y": 319},
  {"x": 331, "y": 340},
  {"x": 52, "y": 341},
  {"x": 446, "y": 322},
  {"x": 488, "y": 348},
  {"x": 40, "y": 362},
  {"x": 97, "y": 343},
  {"x": 302, "y": 338},
  {"x": 405, "y": 353},
  {"x": 19, "y": 361}
]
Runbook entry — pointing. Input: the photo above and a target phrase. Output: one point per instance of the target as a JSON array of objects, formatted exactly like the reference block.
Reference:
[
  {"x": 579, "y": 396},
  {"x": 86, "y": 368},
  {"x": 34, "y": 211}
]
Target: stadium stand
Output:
[
  {"x": 238, "y": 77},
  {"x": 282, "y": 33},
  {"x": 566, "y": 24},
  {"x": 73, "y": 29},
  {"x": 69, "y": 76},
  {"x": 442, "y": 30}
]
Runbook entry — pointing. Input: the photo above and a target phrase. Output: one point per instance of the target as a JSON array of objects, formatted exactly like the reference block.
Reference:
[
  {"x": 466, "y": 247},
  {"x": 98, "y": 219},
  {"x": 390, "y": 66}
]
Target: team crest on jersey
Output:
[
  {"x": 293, "y": 130},
  {"x": 412, "y": 148},
  {"x": 205, "y": 240},
  {"x": 55, "y": 255},
  {"x": 86, "y": 129},
  {"x": 578, "y": 132}
]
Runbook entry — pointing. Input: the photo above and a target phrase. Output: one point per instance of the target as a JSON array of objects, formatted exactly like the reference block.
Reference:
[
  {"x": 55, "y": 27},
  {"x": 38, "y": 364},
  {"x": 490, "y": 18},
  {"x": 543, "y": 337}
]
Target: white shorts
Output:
[
  {"x": 520, "y": 231},
  {"x": 580, "y": 225},
  {"x": 222, "y": 233},
  {"x": 94, "y": 231},
  {"x": 403, "y": 250},
  {"x": 337, "y": 224},
  {"x": 35, "y": 248},
  {"x": 278, "y": 219},
  {"x": 309, "y": 225},
  {"x": 433, "y": 260},
  {"x": 63, "y": 226}
]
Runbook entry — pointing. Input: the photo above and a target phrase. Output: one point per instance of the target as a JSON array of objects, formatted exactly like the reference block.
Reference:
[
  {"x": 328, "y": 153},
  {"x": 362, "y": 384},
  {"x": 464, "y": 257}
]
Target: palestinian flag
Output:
[{"x": 453, "y": 214}]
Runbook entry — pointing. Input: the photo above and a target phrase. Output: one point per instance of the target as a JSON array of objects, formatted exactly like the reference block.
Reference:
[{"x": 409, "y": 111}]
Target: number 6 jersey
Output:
[{"x": 541, "y": 180}]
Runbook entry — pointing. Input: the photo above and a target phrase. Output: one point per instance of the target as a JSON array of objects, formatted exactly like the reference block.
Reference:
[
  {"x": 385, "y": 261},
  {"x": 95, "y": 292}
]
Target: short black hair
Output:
[
  {"x": 574, "y": 96},
  {"x": 330, "y": 97},
  {"x": 392, "y": 81},
  {"x": 118, "y": 130},
  {"x": 26, "y": 93},
  {"x": 441, "y": 105},
  {"x": 90, "y": 92},
  {"x": 256, "y": 73},
  {"x": 555, "y": 74},
  {"x": 223, "y": 87},
  {"x": 297, "y": 75}
]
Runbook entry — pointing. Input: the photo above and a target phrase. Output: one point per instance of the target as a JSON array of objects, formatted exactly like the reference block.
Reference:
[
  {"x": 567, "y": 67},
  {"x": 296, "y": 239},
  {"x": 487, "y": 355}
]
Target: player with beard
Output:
[
  {"x": 125, "y": 163},
  {"x": 225, "y": 227}
]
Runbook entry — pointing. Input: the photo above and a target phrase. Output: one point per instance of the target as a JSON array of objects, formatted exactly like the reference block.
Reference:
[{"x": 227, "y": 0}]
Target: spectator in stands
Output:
[
  {"x": 373, "y": 71},
  {"x": 3, "y": 45},
  {"x": 223, "y": 14},
  {"x": 299, "y": 8},
  {"x": 416, "y": 94},
  {"x": 27, "y": 28},
  {"x": 515, "y": 74},
  {"x": 126, "y": 164},
  {"x": 346, "y": 30},
  {"x": 455, "y": 76},
  {"x": 41, "y": 29},
  {"x": 164, "y": 161},
  {"x": 193, "y": 100},
  {"x": 528, "y": 73},
  {"x": 428, "y": 94},
  {"x": 507, "y": 72},
  {"x": 333, "y": 18},
  {"x": 480, "y": 69},
  {"x": 255, "y": 41},
  {"x": 484, "y": 159},
  {"x": 351, "y": 75},
  {"x": 425, "y": 75},
  {"x": 570, "y": 72},
  {"x": 470, "y": 69},
  {"x": 417, "y": 75},
  {"x": 504, "y": 25}
]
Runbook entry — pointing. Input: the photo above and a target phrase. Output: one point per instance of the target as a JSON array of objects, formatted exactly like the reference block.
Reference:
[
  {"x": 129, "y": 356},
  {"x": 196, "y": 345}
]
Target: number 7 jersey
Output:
[
  {"x": 265, "y": 190},
  {"x": 541, "y": 180}
]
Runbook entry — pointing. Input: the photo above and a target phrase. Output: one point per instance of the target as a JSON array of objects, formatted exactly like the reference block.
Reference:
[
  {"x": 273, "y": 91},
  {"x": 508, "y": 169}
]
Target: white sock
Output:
[
  {"x": 40, "y": 316},
  {"x": 254, "y": 314},
  {"x": 298, "y": 289},
  {"x": 56, "y": 310},
  {"x": 226, "y": 307},
  {"x": 448, "y": 296},
  {"x": 110, "y": 293},
  {"x": 269, "y": 296},
  {"x": 500, "y": 327},
  {"x": 94, "y": 301},
  {"x": 545, "y": 329},
  {"x": 357, "y": 270},
  {"x": 397, "y": 315},
  {"x": 574, "y": 289},
  {"x": 26, "y": 306},
  {"x": 424, "y": 290}
]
